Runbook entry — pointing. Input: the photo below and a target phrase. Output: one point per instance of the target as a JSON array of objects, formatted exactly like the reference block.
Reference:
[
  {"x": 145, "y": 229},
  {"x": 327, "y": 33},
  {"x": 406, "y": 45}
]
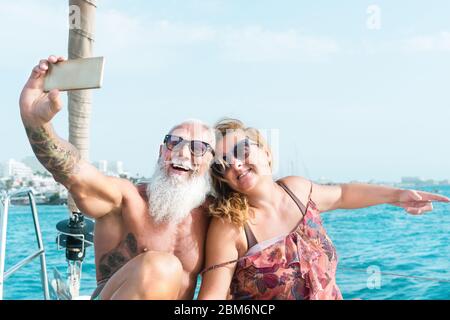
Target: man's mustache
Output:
[{"x": 187, "y": 164}]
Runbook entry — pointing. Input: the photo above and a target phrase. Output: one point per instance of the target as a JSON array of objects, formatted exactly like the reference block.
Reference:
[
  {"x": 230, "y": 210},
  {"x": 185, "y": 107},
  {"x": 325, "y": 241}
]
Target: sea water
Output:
[{"x": 372, "y": 244}]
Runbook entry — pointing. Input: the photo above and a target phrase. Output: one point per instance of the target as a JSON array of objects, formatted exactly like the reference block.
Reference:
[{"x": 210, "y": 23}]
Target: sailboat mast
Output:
[{"x": 81, "y": 43}]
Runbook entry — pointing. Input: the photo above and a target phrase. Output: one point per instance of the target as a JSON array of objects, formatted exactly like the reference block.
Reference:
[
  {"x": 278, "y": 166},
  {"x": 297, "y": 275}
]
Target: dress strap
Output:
[
  {"x": 297, "y": 201},
  {"x": 251, "y": 239},
  {"x": 223, "y": 264}
]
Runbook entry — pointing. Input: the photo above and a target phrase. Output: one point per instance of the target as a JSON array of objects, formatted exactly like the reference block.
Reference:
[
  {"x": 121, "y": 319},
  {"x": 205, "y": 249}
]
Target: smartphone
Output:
[{"x": 75, "y": 74}]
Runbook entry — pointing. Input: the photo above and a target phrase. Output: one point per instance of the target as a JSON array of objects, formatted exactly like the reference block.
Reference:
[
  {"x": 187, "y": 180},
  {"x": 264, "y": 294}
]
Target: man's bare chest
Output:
[{"x": 186, "y": 241}]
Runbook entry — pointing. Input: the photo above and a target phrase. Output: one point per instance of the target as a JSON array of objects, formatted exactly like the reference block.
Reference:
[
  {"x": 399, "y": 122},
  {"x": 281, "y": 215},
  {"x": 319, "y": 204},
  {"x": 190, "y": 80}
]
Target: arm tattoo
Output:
[{"x": 56, "y": 155}]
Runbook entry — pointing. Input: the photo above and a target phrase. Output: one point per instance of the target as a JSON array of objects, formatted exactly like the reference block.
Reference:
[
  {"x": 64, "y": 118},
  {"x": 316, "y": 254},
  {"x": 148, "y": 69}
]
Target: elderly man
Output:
[{"x": 149, "y": 239}]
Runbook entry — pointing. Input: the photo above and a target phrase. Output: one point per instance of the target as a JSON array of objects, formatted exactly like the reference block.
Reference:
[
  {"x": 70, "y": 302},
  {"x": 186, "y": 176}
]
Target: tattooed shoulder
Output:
[
  {"x": 113, "y": 260},
  {"x": 131, "y": 243}
]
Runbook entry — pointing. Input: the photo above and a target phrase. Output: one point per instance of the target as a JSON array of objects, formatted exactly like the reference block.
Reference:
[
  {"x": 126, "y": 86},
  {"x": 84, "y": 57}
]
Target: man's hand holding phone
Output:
[
  {"x": 36, "y": 106},
  {"x": 40, "y": 100}
]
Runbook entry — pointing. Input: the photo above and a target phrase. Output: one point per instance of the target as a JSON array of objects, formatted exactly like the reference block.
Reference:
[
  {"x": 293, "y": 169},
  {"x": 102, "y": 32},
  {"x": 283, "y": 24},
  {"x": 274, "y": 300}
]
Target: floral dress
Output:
[{"x": 298, "y": 266}]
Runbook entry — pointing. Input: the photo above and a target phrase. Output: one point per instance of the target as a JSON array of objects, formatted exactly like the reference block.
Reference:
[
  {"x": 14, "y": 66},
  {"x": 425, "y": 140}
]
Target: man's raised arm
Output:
[{"x": 94, "y": 193}]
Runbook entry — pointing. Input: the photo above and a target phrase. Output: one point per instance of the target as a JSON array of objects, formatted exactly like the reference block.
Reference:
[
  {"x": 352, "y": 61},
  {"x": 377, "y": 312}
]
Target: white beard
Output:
[{"x": 172, "y": 198}]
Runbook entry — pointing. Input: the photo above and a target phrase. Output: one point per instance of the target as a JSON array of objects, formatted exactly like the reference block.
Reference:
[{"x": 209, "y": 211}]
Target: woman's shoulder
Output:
[
  {"x": 300, "y": 186},
  {"x": 295, "y": 180},
  {"x": 226, "y": 233},
  {"x": 297, "y": 183},
  {"x": 223, "y": 227}
]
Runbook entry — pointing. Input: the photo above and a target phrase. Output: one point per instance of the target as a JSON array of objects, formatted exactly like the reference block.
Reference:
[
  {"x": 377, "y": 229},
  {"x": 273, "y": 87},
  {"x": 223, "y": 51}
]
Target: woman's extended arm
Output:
[
  {"x": 220, "y": 248},
  {"x": 360, "y": 195}
]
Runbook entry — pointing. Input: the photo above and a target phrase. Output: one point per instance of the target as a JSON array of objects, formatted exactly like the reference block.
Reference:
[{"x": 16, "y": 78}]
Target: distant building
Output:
[
  {"x": 419, "y": 182},
  {"x": 116, "y": 167},
  {"x": 411, "y": 180},
  {"x": 16, "y": 169},
  {"x": 111, "y": 168},
  {"x": 101, "y": 165},
  {"x": 34, "y": 164},
  {"x": 323, "y": 180}
]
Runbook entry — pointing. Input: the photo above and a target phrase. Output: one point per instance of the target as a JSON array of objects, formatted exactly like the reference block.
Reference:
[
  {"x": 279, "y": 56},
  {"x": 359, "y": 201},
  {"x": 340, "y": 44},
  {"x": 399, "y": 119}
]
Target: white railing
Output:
[{"x": 5, "y": 201}]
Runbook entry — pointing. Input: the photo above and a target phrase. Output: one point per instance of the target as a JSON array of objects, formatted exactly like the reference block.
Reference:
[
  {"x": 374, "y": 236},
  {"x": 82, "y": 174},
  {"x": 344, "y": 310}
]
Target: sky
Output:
[{"x": 354, "y": 90}]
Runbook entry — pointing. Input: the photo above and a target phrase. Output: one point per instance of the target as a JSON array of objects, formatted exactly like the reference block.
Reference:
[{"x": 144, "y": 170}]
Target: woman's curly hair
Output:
[{"x": 228, "y": 203}]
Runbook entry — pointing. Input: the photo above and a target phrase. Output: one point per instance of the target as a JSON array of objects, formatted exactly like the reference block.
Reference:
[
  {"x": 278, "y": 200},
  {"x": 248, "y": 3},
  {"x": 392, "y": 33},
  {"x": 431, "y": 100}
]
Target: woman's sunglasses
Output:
[
  {"x": 196, "y": 147},
  {"x": 241, "y": 152}
]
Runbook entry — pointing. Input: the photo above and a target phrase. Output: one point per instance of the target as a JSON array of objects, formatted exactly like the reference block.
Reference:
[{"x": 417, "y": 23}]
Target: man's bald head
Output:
[{"x": 197, "y": 128}]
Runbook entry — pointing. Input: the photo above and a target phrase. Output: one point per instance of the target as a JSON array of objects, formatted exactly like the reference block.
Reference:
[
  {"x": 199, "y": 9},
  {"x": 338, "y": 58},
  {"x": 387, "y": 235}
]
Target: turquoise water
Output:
[{"x": 384, "y": 238}]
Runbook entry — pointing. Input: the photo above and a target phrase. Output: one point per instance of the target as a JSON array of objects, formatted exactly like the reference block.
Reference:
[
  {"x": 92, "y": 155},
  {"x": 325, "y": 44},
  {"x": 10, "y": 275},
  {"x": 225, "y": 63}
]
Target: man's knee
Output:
[
  {"x": 161, "y": 262},
  {"x": 158, "y": 269}
]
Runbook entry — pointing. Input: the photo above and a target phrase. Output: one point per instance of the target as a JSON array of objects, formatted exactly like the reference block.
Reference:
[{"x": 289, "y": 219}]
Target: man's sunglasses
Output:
[
  {"x": 241, "y": 152},
  {"x": 196, "y": 147}
]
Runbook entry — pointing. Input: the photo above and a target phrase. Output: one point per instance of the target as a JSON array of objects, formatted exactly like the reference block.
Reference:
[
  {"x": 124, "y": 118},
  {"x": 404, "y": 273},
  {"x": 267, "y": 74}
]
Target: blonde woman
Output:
[{"x": 266, "y": 239}]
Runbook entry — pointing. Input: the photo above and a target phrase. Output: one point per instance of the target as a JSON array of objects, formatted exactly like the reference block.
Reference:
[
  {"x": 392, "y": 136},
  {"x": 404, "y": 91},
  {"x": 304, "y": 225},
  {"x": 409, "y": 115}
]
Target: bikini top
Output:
[{"x": 251, "y": 239}]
